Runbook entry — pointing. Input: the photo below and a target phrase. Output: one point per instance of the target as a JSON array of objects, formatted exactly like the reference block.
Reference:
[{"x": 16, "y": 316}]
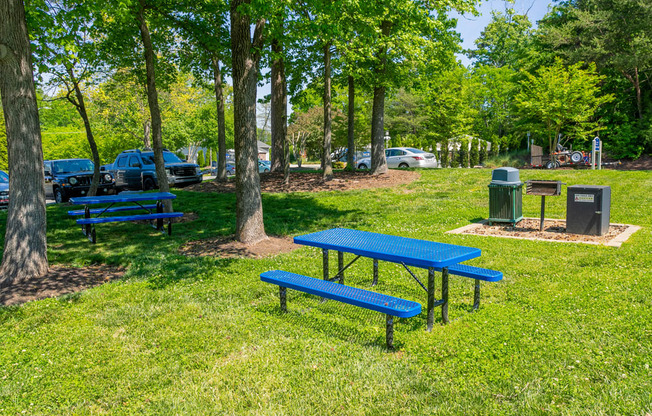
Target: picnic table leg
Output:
[
  {"x": 159, "y": 221},
  {"x": 444, "y": 295},
  {"x": 375, "y": 281},
  {"x": 476, "y": 295},
  {"x": 283, "y": 295},
  {"x": 86, "y": 228},
  {"x": 324, "y": 253},
  {"x": 431, "y": 298},
  {"x": 340, "y": 266},
  {"x": 389, "y": 331}
]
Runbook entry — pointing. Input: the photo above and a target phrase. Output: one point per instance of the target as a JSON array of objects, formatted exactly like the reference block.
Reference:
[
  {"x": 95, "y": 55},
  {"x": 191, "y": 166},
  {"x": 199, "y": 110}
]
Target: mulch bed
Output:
[
  {"x": 59, "y": 281},
  {"x": 553, "y": 230},
  {"x": 228, "y": 247},
  {"x": 313, "y": 182}
]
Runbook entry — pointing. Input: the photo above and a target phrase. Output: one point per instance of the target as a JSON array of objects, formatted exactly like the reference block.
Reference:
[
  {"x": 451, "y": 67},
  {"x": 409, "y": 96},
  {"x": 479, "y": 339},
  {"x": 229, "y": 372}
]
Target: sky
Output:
[{"x": 470, "y": 27}]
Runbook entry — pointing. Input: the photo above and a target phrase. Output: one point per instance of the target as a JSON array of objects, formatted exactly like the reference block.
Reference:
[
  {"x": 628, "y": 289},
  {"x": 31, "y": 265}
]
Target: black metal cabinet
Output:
[{"x": 588, "y": 209}]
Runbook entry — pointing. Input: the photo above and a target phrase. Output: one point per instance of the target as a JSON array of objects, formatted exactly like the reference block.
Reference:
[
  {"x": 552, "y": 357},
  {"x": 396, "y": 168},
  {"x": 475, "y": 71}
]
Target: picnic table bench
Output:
[
  {"x": 153, "y": 212},
  {"x": 408, "y": 252}
]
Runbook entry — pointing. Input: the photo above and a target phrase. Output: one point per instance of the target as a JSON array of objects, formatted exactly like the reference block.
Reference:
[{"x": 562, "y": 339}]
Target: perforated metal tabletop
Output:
[
  {"x": 110, "y": 199},
  {"x": 411, "y": 251}
]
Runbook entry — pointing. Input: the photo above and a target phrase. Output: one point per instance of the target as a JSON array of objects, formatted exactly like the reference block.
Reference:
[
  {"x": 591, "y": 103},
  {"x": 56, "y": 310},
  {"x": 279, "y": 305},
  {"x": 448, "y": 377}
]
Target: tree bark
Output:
[
  {"x": 378, "y": 160},
  {"x": 326, "y": 158},
  {"x": 25, "y": 247},
  {"x": 350, "y": 155},
  {"x": 221, "y": 126},
  {"x": 249, "y": 208},
  {"x": 147, "y": 134},
  {"x": 80, "y": 105},
  {"x": 154, "y": 110},
  {"x": 279, "y": 108}
]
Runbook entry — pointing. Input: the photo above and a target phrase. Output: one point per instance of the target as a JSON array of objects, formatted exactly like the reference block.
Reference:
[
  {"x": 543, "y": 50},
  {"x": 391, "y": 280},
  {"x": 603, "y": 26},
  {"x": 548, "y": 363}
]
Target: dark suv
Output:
[
  {"x": 135, "y": 170},
  {"x": 72, "y": 177}
]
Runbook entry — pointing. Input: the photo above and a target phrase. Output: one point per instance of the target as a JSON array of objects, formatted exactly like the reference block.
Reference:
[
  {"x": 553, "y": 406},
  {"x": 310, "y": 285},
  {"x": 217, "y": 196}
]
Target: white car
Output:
[{"x": 404, "y": 157}]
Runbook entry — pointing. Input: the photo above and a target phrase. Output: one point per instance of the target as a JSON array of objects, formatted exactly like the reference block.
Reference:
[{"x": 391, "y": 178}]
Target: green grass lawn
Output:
[{"x": 567, "y": 331}]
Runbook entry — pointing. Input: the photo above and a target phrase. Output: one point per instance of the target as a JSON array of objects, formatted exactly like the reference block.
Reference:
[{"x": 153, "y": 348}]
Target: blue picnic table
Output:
[
  {"x": 409, "y": 252},
  {"x": 402, "y": 250},
  {"x": 152, "y": 212}
]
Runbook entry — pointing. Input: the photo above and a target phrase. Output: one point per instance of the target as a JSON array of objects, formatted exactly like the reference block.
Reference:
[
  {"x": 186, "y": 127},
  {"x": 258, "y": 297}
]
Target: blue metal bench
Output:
[
  {"x": 389, "y": 305},
  {"x": 159, "y": 217},
  {"x": 114, "y": 209},
  {"x": 478, "y": 274}
]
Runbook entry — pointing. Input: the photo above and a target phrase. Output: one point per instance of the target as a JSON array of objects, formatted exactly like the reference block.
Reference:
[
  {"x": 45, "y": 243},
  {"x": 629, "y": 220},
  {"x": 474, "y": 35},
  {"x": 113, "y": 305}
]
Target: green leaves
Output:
[{"x": 562, "y": 99}]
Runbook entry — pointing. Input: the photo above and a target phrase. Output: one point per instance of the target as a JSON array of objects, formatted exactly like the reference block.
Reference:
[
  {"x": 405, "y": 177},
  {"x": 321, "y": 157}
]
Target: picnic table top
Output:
[
  {"x": 109, "y": 199},
  {"x": 411, "y": 251}
]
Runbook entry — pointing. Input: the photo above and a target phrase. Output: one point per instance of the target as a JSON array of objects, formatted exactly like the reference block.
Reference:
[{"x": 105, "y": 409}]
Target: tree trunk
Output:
[
  {"x": 81, "y": 109},
  {"x": 147, "y": 134},
  {"x": 25, "y": 248},
  {"x": 279, "y": 108},
  {"x": 221, "y": 126},
  {"x": 326, "y": 158},
  {"x": 154, "y": 110},
  {"x": 249, "y": 208},
  {"x": 350, "y": 155},
  {"x": 378, "y": 160}
]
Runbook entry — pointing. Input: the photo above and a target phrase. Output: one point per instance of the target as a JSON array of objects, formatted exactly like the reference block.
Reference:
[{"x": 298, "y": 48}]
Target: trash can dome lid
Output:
[{"x": 505, "y": 176}]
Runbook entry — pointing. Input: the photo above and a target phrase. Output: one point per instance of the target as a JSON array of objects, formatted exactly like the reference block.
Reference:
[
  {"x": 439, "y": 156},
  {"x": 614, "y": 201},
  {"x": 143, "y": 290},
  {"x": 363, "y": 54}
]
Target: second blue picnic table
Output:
[
  {"x": 94, "y": 216},
  {"x": 402, "y": 250}
]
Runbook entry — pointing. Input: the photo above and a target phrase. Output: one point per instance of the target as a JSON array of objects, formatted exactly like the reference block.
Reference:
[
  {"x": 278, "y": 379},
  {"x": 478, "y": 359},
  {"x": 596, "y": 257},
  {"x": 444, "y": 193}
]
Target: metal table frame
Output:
[{"x": 402, "y": 250}]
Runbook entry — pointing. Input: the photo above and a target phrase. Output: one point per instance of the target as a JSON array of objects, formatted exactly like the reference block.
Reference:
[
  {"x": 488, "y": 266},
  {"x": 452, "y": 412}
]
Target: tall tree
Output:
[
  {"x": 396, "y": 40},
  {"x": 65, "y": 51},
  {"x": 612, "y": 33},
  {"x": 562, "y": 100},
  {"x": 204, "y": 26},
  {"x": 246, "y": 54},
  {"x": 152, "y": 99},
  {"x": 25, "y": 249}
]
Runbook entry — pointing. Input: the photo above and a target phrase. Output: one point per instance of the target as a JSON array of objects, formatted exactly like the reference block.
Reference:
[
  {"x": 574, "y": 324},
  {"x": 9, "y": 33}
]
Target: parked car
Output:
[
  {"x": 66, "y": 178},
  {"x": 4, "y": 189},
  {"x": 404, "y": 157},
  {"x": 135, "y": 170},
  {"x": 230, "y": 168},
  {"x": 264, "y": 166}
]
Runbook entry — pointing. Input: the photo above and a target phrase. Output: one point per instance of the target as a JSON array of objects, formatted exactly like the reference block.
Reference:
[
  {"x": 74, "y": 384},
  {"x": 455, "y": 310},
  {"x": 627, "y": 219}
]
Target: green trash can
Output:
[{"x": 505, "y": 196}]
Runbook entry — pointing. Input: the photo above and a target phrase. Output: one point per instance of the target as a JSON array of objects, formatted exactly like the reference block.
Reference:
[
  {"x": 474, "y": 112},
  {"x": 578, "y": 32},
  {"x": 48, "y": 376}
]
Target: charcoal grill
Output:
[{"x": 544, "y": 189}]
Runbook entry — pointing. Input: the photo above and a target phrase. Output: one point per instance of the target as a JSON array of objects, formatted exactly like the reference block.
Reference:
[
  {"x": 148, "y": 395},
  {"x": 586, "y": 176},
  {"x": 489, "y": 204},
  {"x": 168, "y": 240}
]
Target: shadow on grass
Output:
[
  {"x": 119, "y": 243},
  {"x": 338, "y": 320}
]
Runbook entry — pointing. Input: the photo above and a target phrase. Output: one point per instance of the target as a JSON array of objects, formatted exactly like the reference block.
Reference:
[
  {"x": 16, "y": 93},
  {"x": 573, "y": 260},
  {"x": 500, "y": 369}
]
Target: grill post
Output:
[
  {"x": 375, "y": 281},
  {"x": 543, "y": 211},
  {"x": 476, "y": 295}
]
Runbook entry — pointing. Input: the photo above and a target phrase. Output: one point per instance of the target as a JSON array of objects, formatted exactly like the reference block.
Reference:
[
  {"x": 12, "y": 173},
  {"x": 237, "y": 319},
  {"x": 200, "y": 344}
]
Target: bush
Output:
[
  {"x": 463, "y": 154},
  {"x": 339, "y": 165},
  {"x": 483, "y": 152},
  {"x": 444, "y": 153},
  {"x": 474, "y": 155}
]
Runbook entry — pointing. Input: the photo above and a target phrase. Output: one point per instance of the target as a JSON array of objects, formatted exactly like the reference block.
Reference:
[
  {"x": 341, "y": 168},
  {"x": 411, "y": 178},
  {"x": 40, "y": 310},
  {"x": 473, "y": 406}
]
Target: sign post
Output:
[{"x": 596, "y": 153}]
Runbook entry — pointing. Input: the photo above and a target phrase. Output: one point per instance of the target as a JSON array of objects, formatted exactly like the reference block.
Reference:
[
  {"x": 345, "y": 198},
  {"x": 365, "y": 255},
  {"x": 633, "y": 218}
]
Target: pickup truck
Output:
[{"x": 134, "y": 170}]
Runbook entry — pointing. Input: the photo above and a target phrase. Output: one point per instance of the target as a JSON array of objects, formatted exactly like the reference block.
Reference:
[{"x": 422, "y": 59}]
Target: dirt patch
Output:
[
  {"x": 59, "y": 281},
  {"x": 553, "y": 230},
  {"x": 228, "y": 247},
  {"x": 313, "y": 182},
  {"x": 642, "y": 163}
]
